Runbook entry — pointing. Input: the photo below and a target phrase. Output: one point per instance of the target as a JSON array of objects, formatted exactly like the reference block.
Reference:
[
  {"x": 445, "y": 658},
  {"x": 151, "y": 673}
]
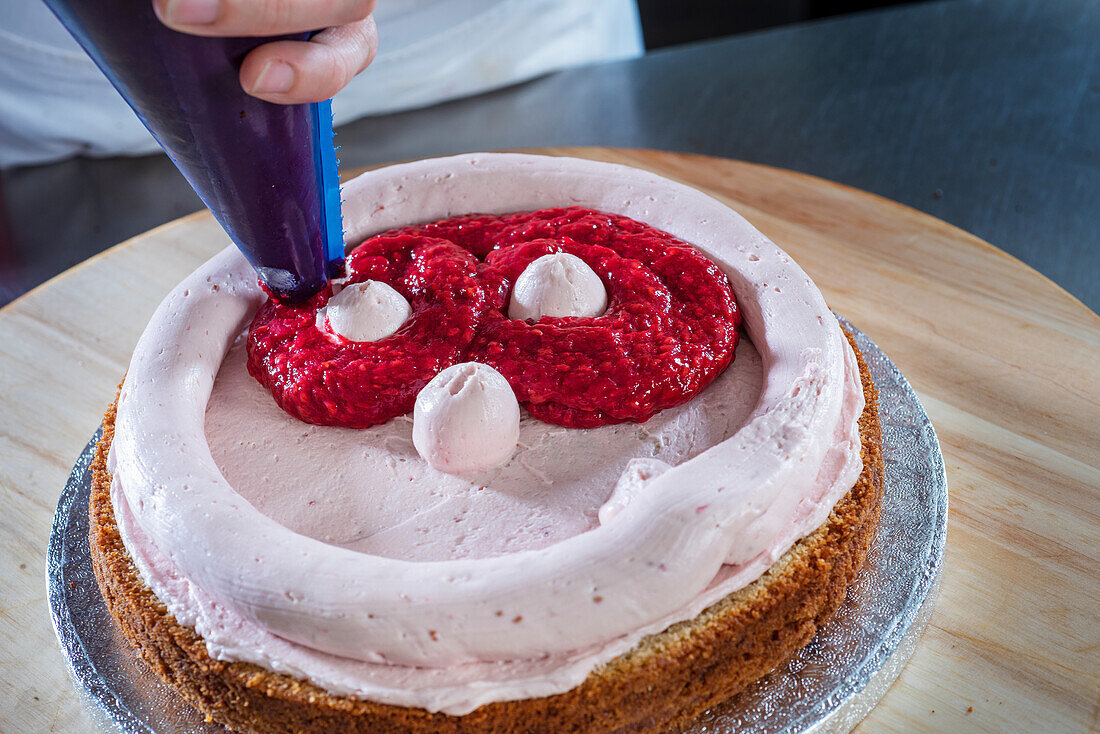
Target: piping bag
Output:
[{"x": 268, "y": 172}]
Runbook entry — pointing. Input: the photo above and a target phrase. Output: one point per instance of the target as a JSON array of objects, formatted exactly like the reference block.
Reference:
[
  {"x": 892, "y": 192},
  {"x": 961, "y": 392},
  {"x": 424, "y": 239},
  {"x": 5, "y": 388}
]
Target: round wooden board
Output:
[{"x": 1004, "y": 361}]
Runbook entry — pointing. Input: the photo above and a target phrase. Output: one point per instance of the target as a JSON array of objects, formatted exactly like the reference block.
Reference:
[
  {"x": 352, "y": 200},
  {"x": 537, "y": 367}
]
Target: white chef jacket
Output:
[{"x": 54, "y": 102}]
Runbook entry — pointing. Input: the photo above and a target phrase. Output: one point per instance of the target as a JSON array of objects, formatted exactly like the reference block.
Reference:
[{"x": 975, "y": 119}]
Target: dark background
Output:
[
  {"x": 668, "y": 22},
  {"x": 982, "y": 113}
]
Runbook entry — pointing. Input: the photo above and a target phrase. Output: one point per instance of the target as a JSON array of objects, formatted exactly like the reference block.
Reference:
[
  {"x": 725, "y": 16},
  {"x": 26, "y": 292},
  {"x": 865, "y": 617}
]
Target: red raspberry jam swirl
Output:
[{"x": 670, "y": 328}]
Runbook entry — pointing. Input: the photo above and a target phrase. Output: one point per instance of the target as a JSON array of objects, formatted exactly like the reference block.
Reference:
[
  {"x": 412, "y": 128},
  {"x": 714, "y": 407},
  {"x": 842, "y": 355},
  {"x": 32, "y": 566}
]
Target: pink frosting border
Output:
[{"x": 744, "y": 501}]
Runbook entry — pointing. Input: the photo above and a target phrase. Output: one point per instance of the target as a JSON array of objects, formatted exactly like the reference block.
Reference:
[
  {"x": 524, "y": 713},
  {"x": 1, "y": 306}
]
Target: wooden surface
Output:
[{"x": 1004, "y": 361}]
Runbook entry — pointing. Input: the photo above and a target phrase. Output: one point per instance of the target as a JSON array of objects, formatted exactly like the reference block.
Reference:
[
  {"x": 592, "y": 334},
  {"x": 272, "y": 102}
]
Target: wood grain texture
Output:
[{"x": 1004, "y": 361}]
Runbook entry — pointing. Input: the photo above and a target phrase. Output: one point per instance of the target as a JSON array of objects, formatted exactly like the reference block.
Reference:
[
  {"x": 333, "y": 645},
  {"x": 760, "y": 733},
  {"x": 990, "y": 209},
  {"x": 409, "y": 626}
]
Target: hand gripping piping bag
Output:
[{"x": 266, "y": 171}]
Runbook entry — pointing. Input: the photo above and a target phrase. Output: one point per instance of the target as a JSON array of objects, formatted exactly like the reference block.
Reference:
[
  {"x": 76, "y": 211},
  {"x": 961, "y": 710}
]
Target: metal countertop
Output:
[{"x": 984, "y": 113}]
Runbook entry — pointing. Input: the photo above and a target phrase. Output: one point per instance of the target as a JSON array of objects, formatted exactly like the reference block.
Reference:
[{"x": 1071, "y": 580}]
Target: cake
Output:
[{"x": 625, "y": 576}]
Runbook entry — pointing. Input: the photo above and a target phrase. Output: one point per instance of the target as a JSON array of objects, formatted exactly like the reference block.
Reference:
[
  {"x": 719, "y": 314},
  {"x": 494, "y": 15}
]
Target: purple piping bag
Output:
[{"x": 266, "y": 171}]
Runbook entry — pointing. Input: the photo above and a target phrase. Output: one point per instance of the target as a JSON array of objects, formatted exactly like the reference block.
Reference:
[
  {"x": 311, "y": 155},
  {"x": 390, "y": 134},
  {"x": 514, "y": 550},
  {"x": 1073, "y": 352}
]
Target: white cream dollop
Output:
[
  {"x": 365, "y": 312},
  {"x": 466, "y": 419},
  {"x": 558, "y": 285}
]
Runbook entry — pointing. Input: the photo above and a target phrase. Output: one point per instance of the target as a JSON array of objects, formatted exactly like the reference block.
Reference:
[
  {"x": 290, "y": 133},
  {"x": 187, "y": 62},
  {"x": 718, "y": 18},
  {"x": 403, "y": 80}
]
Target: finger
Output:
[
  {"x": 258, "y": 17},
  {"x": 292, "y": 72}
]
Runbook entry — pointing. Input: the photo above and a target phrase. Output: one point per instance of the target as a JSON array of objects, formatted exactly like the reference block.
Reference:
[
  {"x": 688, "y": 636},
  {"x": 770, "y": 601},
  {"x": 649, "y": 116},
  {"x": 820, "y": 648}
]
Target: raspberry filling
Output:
[
  {"x": 669, "y": 329},
  {"x": 321, "y": 377}
]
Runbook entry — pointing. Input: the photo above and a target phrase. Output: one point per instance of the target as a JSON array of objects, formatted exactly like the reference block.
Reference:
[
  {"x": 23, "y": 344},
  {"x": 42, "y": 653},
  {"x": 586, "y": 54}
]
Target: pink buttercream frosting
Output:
[{"x": 476, "y": 589}]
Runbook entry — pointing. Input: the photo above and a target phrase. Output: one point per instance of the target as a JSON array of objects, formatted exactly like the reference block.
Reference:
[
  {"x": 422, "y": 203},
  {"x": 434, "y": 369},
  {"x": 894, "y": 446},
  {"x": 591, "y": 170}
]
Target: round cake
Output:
[{"x": 282, "y": 554}]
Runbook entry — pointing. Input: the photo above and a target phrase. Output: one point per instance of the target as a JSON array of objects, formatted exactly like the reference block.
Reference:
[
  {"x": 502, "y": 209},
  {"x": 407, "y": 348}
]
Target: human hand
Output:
[{"x": 286, "y": 72}]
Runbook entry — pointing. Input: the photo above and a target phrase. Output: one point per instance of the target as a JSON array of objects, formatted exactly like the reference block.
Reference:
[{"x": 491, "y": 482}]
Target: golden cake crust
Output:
[{"x": 666, "y": 680}]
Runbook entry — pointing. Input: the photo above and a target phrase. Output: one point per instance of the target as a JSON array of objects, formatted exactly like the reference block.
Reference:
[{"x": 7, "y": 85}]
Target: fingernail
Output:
[
  {"x": 275, "y": 77},
  {"x": 192, "y": 12}
]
